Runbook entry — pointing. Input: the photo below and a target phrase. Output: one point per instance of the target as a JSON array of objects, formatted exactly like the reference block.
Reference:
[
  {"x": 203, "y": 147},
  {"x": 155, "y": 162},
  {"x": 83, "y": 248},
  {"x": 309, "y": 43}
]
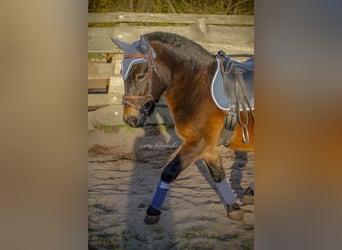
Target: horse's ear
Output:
[
  {"x": 143, "y": 44},
  {"x": 121, "y": 45}
]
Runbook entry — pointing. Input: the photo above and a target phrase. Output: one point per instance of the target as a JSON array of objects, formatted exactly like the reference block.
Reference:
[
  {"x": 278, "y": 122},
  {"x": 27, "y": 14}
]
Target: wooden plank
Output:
[
  {"x": 100, "y": 70},
  {"x": 125, "y": 17},
  {"x": 117, "y": 62},
  {"x": 100, "y": 99},
  {"x": 214, "y": 38},
  {"x": 98, "y": 83},
  {"x": 115, "y": 92},
  {"x": 116, "y": 85}
]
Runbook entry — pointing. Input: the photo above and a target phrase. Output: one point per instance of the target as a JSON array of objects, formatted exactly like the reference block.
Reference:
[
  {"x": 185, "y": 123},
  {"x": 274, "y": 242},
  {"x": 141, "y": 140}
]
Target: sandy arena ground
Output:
[{"x": 124, "y": 167}]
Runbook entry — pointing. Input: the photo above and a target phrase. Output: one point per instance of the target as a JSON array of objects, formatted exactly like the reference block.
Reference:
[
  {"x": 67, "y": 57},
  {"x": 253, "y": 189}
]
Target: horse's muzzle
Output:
[{"x": 135, "y": 114}]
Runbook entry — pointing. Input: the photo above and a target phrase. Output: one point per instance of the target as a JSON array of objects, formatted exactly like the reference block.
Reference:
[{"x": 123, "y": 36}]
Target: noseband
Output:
[{"x": 144, "y": 103}]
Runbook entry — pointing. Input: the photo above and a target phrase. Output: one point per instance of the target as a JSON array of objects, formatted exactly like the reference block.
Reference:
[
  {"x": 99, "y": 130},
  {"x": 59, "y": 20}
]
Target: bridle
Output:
[{"x": 143, "y": 103}]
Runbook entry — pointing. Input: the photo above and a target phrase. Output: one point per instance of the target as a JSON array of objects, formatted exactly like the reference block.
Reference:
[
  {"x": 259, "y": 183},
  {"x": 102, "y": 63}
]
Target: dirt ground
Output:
[{"x": 124, "y": 167}]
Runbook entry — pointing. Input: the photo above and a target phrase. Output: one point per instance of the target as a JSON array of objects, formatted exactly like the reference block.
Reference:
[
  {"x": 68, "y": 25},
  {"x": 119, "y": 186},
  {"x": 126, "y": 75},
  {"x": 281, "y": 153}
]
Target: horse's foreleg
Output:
[
  {"x": 223, "y": 187},
  {"x": 169, "y": 174},
  {"x": 186, "y": 155}
]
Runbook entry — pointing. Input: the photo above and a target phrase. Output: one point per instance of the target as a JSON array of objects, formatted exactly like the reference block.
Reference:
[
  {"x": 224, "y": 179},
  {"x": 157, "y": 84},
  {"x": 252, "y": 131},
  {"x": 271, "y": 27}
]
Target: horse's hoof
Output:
[
  {"x": 234, "y": 212},
  {"x": 248, "y": 196},
  {"x": 152, "y": 216},
  {"x": 249, "y": 192},
  {"x": 151, "y": 219},
  {"x": 247, "y": 200}
]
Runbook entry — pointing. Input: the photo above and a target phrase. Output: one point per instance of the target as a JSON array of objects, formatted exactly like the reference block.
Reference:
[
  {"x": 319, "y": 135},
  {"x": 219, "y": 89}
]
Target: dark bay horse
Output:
[{"x": 180, "y": 69}]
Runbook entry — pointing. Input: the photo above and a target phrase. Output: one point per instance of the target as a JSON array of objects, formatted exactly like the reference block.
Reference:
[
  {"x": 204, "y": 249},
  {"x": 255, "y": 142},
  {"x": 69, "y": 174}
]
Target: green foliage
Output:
[
  {"x": 236, "y": 7},
  {"x": 100, "y": 5}
]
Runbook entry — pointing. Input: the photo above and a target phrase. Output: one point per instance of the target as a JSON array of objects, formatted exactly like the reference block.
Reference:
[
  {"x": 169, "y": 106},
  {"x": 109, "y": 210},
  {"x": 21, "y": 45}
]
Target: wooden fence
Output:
[{"x": 233, "y": 34}]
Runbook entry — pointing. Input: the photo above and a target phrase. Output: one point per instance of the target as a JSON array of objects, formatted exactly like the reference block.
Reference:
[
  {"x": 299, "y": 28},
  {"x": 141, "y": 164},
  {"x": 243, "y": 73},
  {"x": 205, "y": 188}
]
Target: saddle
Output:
[{"x": 232, "y": 90}]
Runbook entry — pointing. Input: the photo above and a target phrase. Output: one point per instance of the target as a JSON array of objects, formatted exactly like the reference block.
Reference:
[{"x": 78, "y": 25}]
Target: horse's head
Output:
[{"x": 143, "y": 85}]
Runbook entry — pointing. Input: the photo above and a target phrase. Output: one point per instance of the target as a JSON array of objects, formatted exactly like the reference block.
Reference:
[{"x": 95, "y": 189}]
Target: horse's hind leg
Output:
[
  {"x": 223, "y": 188},
  {"x": 248, "y": 194}
]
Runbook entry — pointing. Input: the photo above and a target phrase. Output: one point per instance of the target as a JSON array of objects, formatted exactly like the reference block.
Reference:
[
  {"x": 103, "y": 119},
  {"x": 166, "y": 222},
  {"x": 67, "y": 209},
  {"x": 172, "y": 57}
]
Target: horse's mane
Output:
[{"x": 183, "y": 46}]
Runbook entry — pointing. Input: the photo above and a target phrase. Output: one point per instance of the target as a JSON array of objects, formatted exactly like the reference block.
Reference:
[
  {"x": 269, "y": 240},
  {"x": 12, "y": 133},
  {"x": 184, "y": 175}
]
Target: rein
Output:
[{"x": 146, "y": 102}]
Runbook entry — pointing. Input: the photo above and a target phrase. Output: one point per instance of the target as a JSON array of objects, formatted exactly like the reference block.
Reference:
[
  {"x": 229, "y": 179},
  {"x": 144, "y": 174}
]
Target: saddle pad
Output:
[{"x": 223, "y": 94}]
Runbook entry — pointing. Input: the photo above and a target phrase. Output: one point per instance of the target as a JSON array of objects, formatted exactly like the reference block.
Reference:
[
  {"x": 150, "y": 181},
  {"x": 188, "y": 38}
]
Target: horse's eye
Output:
[{"x": 140, "y": 76}]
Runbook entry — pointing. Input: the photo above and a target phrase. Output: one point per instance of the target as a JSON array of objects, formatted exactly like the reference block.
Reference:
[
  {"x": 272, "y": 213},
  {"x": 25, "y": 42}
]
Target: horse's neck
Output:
[
  {"x": 168, "y": 58},
  {"x": 179, "y": 69}
]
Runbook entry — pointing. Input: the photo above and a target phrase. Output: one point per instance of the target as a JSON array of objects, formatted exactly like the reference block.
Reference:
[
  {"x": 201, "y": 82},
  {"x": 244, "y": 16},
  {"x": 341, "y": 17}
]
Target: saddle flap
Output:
[
  {"x": 246, "y": 69},
  {"x": 223, "y": 83},
  {"x": 218, "y": 91}
]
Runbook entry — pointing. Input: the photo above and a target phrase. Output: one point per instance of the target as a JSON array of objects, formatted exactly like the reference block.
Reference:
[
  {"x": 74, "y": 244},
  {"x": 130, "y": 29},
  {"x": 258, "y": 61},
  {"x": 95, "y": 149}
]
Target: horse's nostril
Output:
[
  {"x": 132, "y": 121},
  {"x": 147, "y": 107}
]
